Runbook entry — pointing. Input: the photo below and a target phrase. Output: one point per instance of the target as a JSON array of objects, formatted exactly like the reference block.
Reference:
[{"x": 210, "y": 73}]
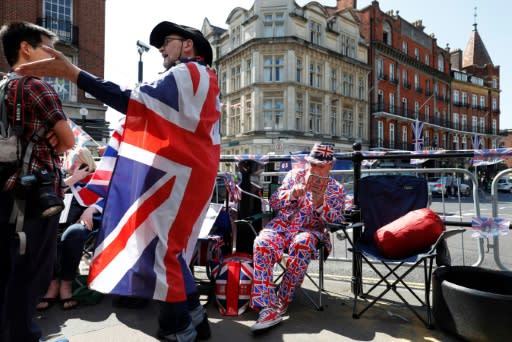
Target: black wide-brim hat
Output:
[{"x": 165, "y": 28}]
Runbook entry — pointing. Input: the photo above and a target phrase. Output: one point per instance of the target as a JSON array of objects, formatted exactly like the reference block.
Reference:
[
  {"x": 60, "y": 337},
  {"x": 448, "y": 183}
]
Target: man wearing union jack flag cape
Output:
[
  {"x": 162, "y": 179},
  {"x": 305, "y": 202}
]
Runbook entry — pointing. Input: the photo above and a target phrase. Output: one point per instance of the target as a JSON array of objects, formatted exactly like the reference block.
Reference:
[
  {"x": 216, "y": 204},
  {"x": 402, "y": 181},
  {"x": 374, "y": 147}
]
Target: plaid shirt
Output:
[{"x": 42, "y": 107}]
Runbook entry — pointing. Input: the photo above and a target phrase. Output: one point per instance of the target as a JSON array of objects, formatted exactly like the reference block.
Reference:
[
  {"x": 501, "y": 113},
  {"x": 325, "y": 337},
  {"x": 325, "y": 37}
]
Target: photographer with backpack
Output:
[{"x": 28, "y": 237}]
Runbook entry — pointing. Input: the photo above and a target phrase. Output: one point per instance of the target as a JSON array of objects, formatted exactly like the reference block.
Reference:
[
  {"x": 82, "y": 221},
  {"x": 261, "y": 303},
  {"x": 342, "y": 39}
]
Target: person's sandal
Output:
[
  {"x": 63, "y": 302},
  {"x": 49, "y": 303}
]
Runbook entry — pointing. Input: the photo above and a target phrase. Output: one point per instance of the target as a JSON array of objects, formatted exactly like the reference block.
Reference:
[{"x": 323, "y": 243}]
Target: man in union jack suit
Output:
[
  {"x": 162, "y": 177},
  {"x": 306, "y": 201}
]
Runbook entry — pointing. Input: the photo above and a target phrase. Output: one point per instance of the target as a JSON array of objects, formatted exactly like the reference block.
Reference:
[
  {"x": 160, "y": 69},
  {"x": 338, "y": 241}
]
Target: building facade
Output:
[
  {"x": 409, "y": 83},
  {"x": 291, "y": 76},
  {"x": 81, "y": 39},
  {"x": 475, "y": 97}
]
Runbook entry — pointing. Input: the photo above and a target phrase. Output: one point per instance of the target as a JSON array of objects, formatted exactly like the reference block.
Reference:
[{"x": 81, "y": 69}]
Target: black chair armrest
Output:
[{"x": 334, "y": 227}]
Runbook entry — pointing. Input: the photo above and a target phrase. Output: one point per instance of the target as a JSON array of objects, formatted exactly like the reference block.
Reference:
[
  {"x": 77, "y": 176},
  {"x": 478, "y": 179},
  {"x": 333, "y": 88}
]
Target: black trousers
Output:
[{"x": 24, "y": 279}]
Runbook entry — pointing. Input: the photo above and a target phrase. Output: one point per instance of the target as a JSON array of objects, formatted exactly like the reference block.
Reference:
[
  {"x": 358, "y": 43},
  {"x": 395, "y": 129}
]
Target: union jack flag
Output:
[
  {"x": 81, "y": 136},
  {"x": 232, "y": 187},
  {"x": 489, "y": 226},
  {"x": 490, "y": 156},
  {"x": 417, "y": 131},
  {"x": 95, "y": 191},
  {"x": 476, "y": 142},
  {"x": 161, "y": 186}
]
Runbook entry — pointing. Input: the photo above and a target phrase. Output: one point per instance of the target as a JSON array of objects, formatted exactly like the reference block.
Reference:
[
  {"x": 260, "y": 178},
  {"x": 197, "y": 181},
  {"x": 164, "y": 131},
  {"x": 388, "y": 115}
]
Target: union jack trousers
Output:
[{"x": 296, "y": 229}]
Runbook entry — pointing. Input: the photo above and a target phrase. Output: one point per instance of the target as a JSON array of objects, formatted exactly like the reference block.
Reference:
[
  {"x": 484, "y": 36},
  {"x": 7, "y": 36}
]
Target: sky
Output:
[{"x": 451, "y": 21}]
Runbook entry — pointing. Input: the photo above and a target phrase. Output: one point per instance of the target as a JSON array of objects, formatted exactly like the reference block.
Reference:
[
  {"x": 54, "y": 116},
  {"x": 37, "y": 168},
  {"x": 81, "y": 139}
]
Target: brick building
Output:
[
  {"x": 81, "y": 39},
  {"x": 409, "y": 83}
]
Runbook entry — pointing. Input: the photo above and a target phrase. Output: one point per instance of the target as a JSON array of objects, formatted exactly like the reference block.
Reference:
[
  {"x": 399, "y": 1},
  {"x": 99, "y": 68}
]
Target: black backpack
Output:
[{"x": 11, "y": 150}]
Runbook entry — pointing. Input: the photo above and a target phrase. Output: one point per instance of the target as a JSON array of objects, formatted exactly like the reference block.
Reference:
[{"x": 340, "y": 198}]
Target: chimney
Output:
[{"x": 344, "y": 4}]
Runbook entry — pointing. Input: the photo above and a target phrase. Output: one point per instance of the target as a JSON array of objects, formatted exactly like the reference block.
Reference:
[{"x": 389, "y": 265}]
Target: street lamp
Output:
[{"x": 141, "y": 48}]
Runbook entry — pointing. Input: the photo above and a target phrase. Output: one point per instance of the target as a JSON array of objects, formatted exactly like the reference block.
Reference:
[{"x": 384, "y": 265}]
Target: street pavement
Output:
[{"x": 389, "y": 321}]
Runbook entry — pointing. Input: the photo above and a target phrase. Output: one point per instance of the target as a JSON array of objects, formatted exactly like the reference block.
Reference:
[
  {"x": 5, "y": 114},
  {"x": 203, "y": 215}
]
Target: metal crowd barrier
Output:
[{"x": 357, "y": 157}]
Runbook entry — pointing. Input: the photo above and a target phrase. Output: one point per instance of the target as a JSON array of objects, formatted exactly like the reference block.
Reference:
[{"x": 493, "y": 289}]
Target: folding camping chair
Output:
[{"x": 383, "y": 199}]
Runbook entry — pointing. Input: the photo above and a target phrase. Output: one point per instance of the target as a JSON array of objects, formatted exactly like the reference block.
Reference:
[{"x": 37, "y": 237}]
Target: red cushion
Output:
[{"x": 410, "y": 234}]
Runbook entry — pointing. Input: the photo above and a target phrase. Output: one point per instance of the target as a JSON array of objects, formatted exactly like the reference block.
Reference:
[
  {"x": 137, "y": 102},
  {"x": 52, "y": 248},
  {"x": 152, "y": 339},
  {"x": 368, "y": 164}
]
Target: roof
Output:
[{"x": 475, "y": 52}]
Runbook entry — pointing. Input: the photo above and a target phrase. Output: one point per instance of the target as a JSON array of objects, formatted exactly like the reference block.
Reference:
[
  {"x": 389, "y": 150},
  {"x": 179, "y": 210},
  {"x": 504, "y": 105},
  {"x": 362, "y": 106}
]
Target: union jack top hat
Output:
[{"x": 320, "y": 154}]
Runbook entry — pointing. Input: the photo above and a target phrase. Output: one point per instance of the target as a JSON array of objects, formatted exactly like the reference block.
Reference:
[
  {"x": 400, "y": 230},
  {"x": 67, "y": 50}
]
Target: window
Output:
[
  {"x": 417, "y": 54},
  {"x": 360, "y": 123},
  {"x": 334, "y": 80},
  {"x": 235, "y": 36},
  {"x": 455, "y": 120},
  {"x": 248, "y": 114},
  {"x": 416, "y": 109},
  {"x": 361, "y": 88},
  {"x": 464, "y": 122},
  {"x": 495, "y": 83},
  {"x": 392, "y": 135},
  {"x": 273, "y": 24},
  {"x": 348, "y": 122},
  {"x": 348, "y": 46},
  {"x": 348, "y": 85},
  {"x": 482, "y": 102},
  {"x": 315, "y": 114},
  {"x": 455, "y": 142},
  {"x": 391, "y": 71},
  {"x": 427, "y": 113},
  {"x": 417, "y": 82},
  {"x": 380, "y": 68},
  {"x": 315, "y": 32},
  {"x": 248, "y": 72},
  {"x": 440, "y": 63},
  {"x": 456, "y": 100},
  {"x": 494, "y": 126},
  {"x": 427, "y": 60},
  {"x": 224, "y": 81},
  {"x": 380, "y": 133},
  {"x": 273, "y": 68},
  {"x": 299, "y": 70},
  {"x": 315, "y": 75},
  {"x": 66, "y": 89},
  {"x": 273, "y": 111},
  {"x": 299, "y": 112},
  {"x": 494, "y": 104},
  {"x": 405, "y": 79},
  {"x": 392, "y": 103},
  {"x": 426, "y": 141},
  {"x": 59, "y": 18},
  {"x": 334, "y": 118},
  {"x": 235, "y": 124},
  {"x": 235, "y": 77},
  {"x": 427, "y": 87},
  {"x": 404, "y": 106},
  {"x": 386, "y": 33},
  {"x": 482, "y": 125},
  {"x": 474, "y": 100},
  {"x": 404, "y": 47},
  {"x": 404, "y": 138},
  {"x": 474, "y": 123},
  {"x": 464, "y": 98}
]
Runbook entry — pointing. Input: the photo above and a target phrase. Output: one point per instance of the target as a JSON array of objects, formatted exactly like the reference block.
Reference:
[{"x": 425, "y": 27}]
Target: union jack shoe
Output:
[{"x": 268, "y": 317}]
